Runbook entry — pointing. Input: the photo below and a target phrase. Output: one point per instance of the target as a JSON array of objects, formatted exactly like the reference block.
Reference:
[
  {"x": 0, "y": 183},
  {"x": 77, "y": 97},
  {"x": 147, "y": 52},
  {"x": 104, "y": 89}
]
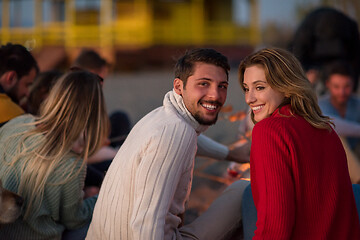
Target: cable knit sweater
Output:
[
  {"x": 149, "y": 179},
  {"x": 300, "y": 181},
  {"x": 62, "y": 206}
]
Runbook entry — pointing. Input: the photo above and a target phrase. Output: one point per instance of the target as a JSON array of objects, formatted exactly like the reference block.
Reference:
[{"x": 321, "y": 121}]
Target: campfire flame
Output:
[
  {"x": 232, "y": 117},
  {"x": 238, "y": 116}
]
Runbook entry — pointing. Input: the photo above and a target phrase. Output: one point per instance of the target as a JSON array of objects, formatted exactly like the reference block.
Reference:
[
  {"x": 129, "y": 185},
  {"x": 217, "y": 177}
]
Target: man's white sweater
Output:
[{"x": 149, "y": 180}]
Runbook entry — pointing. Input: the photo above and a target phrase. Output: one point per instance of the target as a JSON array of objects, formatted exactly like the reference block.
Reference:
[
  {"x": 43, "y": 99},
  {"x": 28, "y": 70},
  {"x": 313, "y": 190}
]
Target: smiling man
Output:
[
  {"x": 204, "y": 92},
  {"x": 145, "y": 190}
]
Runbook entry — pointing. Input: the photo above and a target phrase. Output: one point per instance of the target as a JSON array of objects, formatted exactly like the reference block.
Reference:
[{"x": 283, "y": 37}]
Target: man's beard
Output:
[{"x": 203, "y": 121}]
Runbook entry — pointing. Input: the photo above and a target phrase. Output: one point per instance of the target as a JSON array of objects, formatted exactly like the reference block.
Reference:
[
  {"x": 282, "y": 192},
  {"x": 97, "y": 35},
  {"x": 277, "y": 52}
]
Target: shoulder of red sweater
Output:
[
  {"x": 278, "y": 123},
  {"x": 274, "y": 121}
]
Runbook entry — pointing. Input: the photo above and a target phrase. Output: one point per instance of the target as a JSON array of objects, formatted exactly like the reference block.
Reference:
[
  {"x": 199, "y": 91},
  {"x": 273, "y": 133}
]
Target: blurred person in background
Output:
[
  {"x": 341, "y": 104},
  {"x": 92, "y": 61},
  {"x": 326, "y": 35},
  {"x": 43, "y": 159},
  {"x": 18, "y": 69}
]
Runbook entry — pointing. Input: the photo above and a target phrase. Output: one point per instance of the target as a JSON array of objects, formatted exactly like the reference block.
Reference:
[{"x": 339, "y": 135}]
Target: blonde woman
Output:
[
  {"x": 299, "y": 174},
  {"x": 43, "y": 158}
]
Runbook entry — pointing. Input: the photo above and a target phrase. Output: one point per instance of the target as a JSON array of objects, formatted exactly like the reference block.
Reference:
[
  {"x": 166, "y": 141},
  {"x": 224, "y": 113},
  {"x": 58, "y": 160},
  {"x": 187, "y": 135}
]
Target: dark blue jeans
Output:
[
  {"x": 249, "y": 214},
  {"x": 75, "y": 234}
]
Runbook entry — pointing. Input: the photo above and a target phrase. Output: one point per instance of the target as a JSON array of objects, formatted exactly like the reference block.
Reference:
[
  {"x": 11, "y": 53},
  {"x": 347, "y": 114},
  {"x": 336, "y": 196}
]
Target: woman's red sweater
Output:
[{"x": 300, "y": 181}]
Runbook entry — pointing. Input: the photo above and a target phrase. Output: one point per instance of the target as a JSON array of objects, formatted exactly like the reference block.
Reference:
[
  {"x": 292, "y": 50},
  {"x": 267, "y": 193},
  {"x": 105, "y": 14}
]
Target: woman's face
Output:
[{"x": 262, "y": 99}]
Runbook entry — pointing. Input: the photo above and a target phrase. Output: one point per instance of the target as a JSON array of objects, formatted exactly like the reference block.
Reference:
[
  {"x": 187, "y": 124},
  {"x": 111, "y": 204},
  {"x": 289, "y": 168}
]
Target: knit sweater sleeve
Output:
[
  {"x": 210, "y": 148},
  {"x": 76, "y": 212},
  {"x": 73, "y": 212},
  {"x": 169, "y": 155},
  {"x": 272, "y": 181}
]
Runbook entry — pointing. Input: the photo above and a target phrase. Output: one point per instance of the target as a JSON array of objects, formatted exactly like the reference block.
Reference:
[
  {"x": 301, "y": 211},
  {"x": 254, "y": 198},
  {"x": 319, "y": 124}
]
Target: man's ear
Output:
[
  {"x": 8, "y": 80},
  {"x": 178, "y": 86}
]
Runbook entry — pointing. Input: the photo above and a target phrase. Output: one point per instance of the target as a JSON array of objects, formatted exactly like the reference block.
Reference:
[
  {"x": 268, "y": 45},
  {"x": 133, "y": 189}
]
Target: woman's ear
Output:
[{"x": 178, "y": 86}]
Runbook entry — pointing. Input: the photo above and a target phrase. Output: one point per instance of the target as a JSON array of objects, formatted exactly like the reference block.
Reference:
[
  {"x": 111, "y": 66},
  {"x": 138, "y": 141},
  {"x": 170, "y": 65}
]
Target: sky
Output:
[
  {"x": 279, "y": 11},
  {"x": 270, "y": 10}
]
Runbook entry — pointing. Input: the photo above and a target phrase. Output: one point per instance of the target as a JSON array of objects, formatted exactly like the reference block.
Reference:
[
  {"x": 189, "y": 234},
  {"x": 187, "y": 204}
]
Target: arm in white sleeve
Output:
[
  {"x": 210, "y": 148},
  {"x": 237, "y": 152},
  {"x": 103, "y": 154},
  {"x": 346, "y": 128}
]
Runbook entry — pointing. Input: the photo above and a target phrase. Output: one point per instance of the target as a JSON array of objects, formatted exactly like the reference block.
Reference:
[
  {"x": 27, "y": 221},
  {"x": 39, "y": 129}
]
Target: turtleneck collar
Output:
[{"x": 175, "y": 101}]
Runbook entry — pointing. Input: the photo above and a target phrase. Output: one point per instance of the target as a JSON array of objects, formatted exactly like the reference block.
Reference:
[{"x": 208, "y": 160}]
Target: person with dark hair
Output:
[
  {"x": 344, "y": 107},
  {"x": 90, "y": 60},
  {"x": 18, "y": 68},
  {"x": 299, "y": 174},
  {"x": 340, "y": 101},
  {"x": 144, "y": 192},
  {"x": 326, "y": 35}
]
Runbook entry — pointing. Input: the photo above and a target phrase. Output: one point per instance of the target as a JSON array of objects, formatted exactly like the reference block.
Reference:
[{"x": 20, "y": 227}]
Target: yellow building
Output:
[{"x": 126, "y": 24}]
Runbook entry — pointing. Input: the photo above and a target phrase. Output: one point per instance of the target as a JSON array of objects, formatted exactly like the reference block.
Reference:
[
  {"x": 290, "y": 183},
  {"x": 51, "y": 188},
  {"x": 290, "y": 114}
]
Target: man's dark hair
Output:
[
  {"x": 89, "y": 59},
  {"x": 185, "y": 64},
  {"x": 338, "y": 67},
  {"x": 15, "y": 57}
]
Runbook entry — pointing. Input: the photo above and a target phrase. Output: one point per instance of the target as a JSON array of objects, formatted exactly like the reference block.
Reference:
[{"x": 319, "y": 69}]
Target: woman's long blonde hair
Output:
[
  {"x": 284, "y": 73},
  {"x": 75, "y": 107}
]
